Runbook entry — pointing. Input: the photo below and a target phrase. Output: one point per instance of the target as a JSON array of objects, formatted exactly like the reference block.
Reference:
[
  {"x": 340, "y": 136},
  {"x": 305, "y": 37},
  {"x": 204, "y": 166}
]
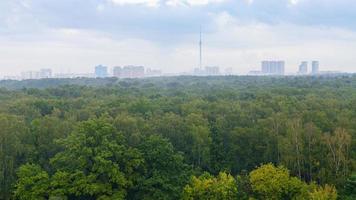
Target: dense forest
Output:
[{"x": 190, "y": 138}]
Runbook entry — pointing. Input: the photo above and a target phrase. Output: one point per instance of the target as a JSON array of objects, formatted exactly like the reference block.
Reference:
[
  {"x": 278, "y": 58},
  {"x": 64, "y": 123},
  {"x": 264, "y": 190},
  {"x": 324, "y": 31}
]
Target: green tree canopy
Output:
[
  {"x": 207, "y": 187},
  {"x": 95, "y": 163},
  {"x": 33, "y": 183},
  {"x": 165, "y": 172},
  {"x": 274, "y": 183}
]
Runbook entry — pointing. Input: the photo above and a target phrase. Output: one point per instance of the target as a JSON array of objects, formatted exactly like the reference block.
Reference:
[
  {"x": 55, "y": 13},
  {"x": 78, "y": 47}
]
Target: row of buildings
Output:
[
  {"x": 303, "y": 68},
  {"x": 273, "y": 67},
  {"x": 277, "y": 68},
  {"x": 99, "y": 72},
  {"x": 212, "y": 71},
  {"x": 207, "y": 71},
  {"x": 129, "y": 71},
  {"x": 43, "y": 73}
]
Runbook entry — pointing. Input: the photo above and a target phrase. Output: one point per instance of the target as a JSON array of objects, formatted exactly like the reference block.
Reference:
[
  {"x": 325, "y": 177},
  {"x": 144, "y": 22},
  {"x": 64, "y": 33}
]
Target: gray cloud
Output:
[
  {"x": 237, "y": 33},
  {"x": 163, "y": 21}
]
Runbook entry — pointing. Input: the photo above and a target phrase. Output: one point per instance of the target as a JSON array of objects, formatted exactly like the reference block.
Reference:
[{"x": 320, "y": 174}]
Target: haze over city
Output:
[{"x": 75, "y": 36}]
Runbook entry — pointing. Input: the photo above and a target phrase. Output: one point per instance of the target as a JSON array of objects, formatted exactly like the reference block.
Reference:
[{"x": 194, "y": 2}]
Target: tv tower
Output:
[{"x": 200, "y": 50}]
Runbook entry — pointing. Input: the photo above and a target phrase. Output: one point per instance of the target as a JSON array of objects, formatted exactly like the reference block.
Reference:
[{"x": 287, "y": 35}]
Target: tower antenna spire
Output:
[{"x": 200, "y": 49}]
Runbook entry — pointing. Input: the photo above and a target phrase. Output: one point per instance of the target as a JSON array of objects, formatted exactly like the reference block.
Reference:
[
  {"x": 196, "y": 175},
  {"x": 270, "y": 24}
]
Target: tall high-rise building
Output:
[
  {"x": 280, "y": 67},
  {"x": 303, "y": 68},
  {"x": 101, "y": 71},
  {"x": 265, "y": 67},
  {"x": 315, "y": 67},
  {"x": 272, "y": 67}
]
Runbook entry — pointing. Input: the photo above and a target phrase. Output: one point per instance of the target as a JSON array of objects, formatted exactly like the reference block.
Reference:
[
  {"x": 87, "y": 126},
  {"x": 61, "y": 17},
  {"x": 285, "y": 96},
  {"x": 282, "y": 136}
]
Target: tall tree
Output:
[
  {"x": 96, "y": 163},
  {"x": 198, "y": 127},
  {"x": 339, "y": 145},
  {"x": 164, "y": 174},
  {"x": 293, "y": 147},
  {"x": 12, "y": 151}
]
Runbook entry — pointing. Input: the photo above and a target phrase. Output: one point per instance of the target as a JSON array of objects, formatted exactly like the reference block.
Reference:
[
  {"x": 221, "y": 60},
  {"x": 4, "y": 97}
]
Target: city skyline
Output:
[
  {"x": 164, "y": 34},
  {"x": 267, "y": 68}
]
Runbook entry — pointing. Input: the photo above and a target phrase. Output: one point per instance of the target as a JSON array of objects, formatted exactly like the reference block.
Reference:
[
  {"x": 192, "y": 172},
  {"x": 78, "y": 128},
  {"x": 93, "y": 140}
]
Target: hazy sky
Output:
[{"x": 76, "y": 35}]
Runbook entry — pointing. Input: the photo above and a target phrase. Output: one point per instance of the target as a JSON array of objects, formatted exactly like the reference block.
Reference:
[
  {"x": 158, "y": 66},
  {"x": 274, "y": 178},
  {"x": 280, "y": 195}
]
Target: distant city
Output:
[
  {"x": 267, "y": 68},
  {"x": 99, "y": 71}
]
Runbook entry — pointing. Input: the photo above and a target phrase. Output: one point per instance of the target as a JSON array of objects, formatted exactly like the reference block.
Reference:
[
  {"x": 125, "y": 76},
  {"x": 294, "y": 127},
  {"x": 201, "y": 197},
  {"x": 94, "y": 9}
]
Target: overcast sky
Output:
[{"x": 76, "y": 35}]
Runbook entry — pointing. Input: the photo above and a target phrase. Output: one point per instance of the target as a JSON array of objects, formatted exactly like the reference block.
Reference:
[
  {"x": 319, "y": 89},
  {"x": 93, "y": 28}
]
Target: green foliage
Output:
[
  {"x": 244, "y": 190},
  {"x": 95, "y": 162},
  {"x": 33, "y": 183},
  {"x": 324, "y": 193},
  {"x": 12, "y": 132},
  {"x": 44, "y": 132},
  {"x": 270, "y": 182},
  {"x": 207, "y": 187},
  {"x": 349, "y": 191},
  {"x": 144, "y": 138},
  {"x": 165, "y": 172}
]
